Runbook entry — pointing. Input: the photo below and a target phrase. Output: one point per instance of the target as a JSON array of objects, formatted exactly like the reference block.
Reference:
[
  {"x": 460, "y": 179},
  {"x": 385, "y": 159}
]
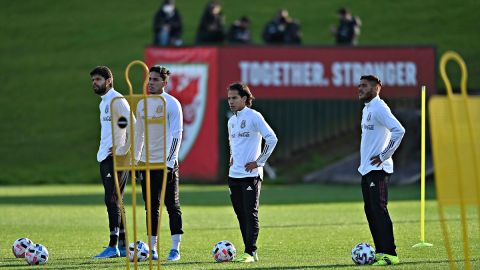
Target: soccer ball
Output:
[
  {"x": 36, "y": 254},
  {"x": 20, "y": 246},
  {"x": 141, "y": 249},
  {"x": 224, "y": 251},
  {"x": 363, "y": 253}
]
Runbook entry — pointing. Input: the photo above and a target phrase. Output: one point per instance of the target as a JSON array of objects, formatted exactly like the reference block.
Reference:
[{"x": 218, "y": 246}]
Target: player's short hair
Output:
[
  {"x": 372, "y": 78},
  {"x": 102, "y": 71},
  {"x": 342, "y": 11},
  {"x": 243, "y": 91},
  {"x": 163, "y": 71}
]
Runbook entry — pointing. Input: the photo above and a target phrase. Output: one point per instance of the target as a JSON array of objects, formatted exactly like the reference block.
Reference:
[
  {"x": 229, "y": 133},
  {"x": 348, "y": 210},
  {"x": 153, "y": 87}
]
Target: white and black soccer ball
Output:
[
  {"x": 36, "y": 254},
  {"x": 224, "y": 251},
  {"x": 20, "y": 246},
  {"x": 363, "y": 253},
  {"x": 141, "y": 249}
]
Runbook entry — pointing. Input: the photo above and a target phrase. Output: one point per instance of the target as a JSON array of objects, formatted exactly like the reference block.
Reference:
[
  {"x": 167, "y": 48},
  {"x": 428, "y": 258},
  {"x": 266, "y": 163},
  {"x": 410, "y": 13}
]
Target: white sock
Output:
[
  {"x": 176, "y": 238},
  {"x": 154, "y": 242}
]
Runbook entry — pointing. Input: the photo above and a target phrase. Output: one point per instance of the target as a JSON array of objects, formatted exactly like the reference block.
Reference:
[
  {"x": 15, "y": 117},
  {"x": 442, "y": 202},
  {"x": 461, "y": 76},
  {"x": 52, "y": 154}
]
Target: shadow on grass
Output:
[
  {"x": 204, "y": 196},
  {"x": 77, "y": 263},
  {"x": 72, "y": 264},
  {"x": 335, "y": 266},
  {"x": 88, "y": 263}
]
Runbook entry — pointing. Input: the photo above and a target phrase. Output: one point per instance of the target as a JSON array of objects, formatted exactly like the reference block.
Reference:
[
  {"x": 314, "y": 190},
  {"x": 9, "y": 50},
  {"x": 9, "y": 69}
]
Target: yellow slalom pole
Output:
[
  {"x": 450, "y": 55},
  {"x": 132, "y": 165},
  {"x": 422, "y": 177},
  {"x": 127, "y": 72},
  {"x": 164, "y": 180},
  {"x": 116, "y": 170}
]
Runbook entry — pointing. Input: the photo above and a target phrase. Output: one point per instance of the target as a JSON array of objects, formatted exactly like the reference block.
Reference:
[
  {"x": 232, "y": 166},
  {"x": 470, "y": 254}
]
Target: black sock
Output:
[
  {"x": 113, "y": 240},
  {"x": 121, "y": 239}
]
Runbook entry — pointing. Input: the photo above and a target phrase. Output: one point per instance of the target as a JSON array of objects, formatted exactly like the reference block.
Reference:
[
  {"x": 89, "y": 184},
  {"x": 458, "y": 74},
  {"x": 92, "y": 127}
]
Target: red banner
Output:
[
  {"x": 200, "y": 76},
  {"x": 194, "y": 82},
  {"x": 309, "y": 72}
]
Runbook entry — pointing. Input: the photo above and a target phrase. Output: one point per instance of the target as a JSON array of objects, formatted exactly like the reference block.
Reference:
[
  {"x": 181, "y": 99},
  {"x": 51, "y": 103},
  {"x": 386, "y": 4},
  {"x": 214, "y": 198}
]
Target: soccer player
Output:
[
  {"x": 246, "y": 128},
  {"x": 381, "y": 136},
  {"x": 102, "y": 83},
  {"x": 158, "y": 79}
]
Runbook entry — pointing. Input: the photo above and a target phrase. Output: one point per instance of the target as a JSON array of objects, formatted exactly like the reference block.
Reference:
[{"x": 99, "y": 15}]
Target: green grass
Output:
[
  {"x": 49, "y": 114},
  {"x": 302, "y": 227}
]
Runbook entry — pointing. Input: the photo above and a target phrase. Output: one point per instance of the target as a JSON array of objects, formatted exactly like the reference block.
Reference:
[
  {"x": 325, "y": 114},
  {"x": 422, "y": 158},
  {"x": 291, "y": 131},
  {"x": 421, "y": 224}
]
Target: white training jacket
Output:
[
  {"x": 122, "y": 139},
  {"x": 245, "y": 131},
  {"x": 381, "y": 135},
  {"x": 155, "y": 132}
]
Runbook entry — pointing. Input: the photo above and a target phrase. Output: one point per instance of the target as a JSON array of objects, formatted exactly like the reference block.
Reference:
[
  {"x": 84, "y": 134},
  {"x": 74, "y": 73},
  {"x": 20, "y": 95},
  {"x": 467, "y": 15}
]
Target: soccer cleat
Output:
[
  {"x": 245, "y": 258},
  {"x": 154, "y": 255},
  {"x": 174, "y": 255},
  {"x": 109, "y": 252},
  {"x": 378, "y": 256},
  {"x": 255, "y": 256},
  {"x": 123, "y": 251},
  {"x": 387, "y": 260}
]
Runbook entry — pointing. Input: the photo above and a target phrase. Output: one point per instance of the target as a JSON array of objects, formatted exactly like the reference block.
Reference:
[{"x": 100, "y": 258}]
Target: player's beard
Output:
[{"x": 100, "y": 90}]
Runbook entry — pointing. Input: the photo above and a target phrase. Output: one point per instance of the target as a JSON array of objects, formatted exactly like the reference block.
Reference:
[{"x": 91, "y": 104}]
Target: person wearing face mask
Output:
[{"x": 167, "y": 25}]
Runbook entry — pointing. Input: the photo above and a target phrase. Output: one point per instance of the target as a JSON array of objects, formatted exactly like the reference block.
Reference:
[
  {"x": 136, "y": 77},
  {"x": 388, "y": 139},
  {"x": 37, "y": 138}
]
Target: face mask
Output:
[{"x": 168, "y": 9}]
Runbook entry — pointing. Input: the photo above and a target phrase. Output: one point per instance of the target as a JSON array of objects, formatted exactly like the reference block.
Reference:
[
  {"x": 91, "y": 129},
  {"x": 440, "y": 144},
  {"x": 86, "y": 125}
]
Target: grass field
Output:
[
  {"x": 302, "y": 227},
  {"x": 49, "y": 114}
]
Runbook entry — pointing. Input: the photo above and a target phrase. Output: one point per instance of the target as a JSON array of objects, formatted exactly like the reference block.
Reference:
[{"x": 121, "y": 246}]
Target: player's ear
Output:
[
  {"x": 109, "y": 81},
  {"x": 165, "y": 83}
]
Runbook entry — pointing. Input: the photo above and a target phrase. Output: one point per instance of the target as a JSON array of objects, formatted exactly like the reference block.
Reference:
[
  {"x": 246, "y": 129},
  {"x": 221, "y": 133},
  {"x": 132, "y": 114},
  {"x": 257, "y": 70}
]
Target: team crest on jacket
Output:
[
  {"x": 106, "y": 109},
  {"x": 369, "y": 116},
  {"x": 188, "y": 84},
  {"x": 159, "y": 109},
  {"x": 243, "y": 124}
]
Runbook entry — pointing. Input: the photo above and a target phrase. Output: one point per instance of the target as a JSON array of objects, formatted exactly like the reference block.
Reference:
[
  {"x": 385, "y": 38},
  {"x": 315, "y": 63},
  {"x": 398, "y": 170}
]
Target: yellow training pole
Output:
[
  {"x": 164, "y": 180},
  {"x": 146, "y": 166},
  {"x": 422, "y": 177},
  {"x": 132, "y": 165},
  {"x": 116, "y": 170},
  {"x": 148, "y": 183},
  {"x": 470, "y": 120},
  {"x": 461, "y": 178},
  {"x": 443, "y": 222}
]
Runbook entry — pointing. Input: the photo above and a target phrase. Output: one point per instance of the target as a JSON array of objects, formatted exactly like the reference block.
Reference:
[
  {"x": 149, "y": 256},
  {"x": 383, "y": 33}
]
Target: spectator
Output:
[
  {"x": 282, "y": 30},
  {"x": 167, "y": 25},
  {"x": 293, "y": 35},
  {"x": 239, "y": 32},
  {"x": 348, "y": 29},
  {"x": 211, "y": 28}
]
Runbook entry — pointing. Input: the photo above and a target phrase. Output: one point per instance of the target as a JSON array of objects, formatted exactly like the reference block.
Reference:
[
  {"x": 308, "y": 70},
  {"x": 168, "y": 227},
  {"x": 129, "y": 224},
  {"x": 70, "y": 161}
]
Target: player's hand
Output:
[
  {"x": 250, "y": 166},
  {"x": 231, "y": 162},
  {"x": 376, "y": 160}
]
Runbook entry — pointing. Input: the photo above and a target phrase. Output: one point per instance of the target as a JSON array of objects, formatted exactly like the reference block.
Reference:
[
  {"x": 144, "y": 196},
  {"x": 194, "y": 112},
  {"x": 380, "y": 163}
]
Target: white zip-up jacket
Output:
[
  {"x": 381, "y": 135},
  {"x": 155, "y": 131},
  {"x": 122, "y": 139},
  {"x": 245, "y": 131}
]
